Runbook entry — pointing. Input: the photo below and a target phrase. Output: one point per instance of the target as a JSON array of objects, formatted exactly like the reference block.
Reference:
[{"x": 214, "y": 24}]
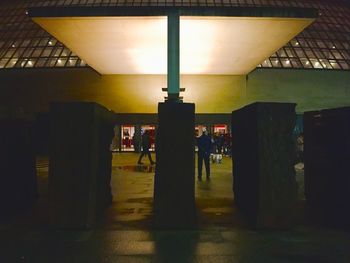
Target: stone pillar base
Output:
[
  {"x": 174, "y": 200},
  {"x": 327, "y": 170},
  {"x": 18, "y": 182},
  {"x": 263, "y": 156},
  {"x": 80, "y": 163}
]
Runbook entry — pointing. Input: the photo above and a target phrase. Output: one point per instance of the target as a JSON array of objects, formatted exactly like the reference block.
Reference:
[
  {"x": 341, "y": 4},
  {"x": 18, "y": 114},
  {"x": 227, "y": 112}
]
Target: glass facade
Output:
[{"x": 323, "y": 45}]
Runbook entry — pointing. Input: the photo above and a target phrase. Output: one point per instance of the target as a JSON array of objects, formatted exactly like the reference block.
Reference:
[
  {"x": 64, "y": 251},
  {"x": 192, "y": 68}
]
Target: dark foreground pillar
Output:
[
  {"x": 42, "y": 133},
  {"x": 327, "y": 165},
  {"x": 174, "y": 202},
  {"x": 80, "y": 163},
  {"x": 18, "y": 186},
  {"x": 264, "y": 186}
]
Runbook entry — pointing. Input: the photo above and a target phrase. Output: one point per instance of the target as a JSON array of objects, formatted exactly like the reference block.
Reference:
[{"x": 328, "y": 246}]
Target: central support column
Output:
[
  {"x": 174, "y": 202},
  {"x": 173, "y": 56}
]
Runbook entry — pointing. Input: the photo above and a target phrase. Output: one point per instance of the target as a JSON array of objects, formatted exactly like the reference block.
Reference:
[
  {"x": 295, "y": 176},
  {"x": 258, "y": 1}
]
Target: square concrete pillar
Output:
[
  {"x": 42, "y": 133},
  {"x": 80, "y": 163},
  {"x": 18, "y": 184},
  {"x": 174, "y": 200},
  {"x": 263, "y": 154},
  {"x": 327, "y": 169}
]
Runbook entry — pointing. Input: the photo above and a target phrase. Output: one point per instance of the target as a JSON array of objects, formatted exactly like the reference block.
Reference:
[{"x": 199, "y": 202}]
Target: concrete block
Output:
[
  {"x": 327, "y": 170},
  {"x": 42, "y": 133},
  {"x": 18, "y": 183},
  {"x": 174, "y": 200},
  {"x": 263, "y": 154},
  {"x": 80, "y": 163}
]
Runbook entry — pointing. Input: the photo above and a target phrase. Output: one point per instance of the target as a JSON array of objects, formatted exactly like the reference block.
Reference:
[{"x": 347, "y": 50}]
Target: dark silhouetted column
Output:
[
  {"x": 41, "y": 133},
  {"x": 327, "y": 169},
  {"x": 18, "y": 185},
  {"x": 264, "y": 185},
  {"x": 174, "y": 202},
  {"x": 80, "y": 163}
]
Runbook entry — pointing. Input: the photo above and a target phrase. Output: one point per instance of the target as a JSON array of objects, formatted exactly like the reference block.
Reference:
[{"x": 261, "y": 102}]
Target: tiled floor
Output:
[{"x": 124, "y": 233}]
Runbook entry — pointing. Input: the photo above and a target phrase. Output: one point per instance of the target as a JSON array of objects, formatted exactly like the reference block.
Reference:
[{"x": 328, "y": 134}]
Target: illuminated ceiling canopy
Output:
[{"x": 232, "y": 45}]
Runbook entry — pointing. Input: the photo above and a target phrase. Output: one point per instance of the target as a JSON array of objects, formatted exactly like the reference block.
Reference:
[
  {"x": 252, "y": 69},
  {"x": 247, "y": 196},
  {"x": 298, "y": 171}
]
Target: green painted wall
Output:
[
  {"x": 32, "y": 90},
  {"x": 310, "y": 89}
]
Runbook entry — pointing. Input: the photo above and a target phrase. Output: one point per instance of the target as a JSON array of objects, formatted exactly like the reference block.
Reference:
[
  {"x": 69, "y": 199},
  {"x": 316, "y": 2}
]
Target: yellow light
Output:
[
  {"x": 231, "y": 45},
  {"x": 208, "y": 45},
  {"x": 197, "y": 45}
]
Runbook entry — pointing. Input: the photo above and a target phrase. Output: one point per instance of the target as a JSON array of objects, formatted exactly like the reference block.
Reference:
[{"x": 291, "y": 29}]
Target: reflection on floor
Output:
[
  {"x": 124, "y": 234},
  {"x": 133, "y": 191},
  {"x": 138, "y": 168}
]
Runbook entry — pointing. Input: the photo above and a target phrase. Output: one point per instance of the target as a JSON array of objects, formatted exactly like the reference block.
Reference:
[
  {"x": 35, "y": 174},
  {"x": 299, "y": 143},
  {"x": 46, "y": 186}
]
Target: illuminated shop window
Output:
[
  {"x": 127, "y": 131},
  {"x": 220, "y": 129},
  {"x": 199, "y": 129}
]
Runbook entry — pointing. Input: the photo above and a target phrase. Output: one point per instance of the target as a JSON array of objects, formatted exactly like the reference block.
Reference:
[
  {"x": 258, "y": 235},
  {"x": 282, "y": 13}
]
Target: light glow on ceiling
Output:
[{"x": 208, "y": 45}]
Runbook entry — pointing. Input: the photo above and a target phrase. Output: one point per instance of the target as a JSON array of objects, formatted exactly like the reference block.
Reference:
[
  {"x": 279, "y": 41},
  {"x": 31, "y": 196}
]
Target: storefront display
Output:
[{"x": 126, "y": 138}]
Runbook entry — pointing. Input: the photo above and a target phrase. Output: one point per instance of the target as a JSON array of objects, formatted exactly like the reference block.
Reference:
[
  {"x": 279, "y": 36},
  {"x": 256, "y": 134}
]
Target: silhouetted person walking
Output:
[
  {"x": 136, "y": 143},
  {"x": 145, "y": 147},
  {"x": 204, "y": 147}
]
